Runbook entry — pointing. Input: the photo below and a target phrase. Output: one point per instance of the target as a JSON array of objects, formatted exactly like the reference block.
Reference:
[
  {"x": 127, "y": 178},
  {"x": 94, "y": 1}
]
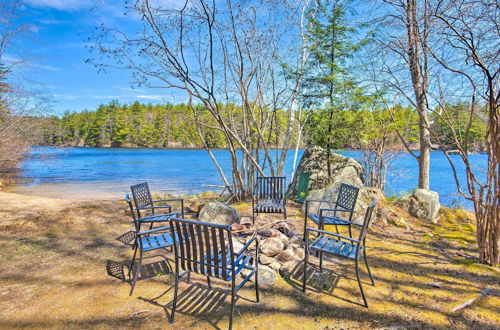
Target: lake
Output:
[{"x": 108, "y": 172}]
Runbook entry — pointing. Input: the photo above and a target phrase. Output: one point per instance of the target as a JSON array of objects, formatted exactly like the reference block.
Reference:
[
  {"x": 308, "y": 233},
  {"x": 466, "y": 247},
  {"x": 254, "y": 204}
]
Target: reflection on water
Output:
[{"x": 109, "y": 172}]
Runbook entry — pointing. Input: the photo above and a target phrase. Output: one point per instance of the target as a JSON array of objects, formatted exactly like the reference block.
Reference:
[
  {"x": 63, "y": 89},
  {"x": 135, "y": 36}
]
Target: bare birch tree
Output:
[
  {"x": 469, "y": 51},
  {"x": 407, "y": 58},
  {"x": 225, "y": 56}
]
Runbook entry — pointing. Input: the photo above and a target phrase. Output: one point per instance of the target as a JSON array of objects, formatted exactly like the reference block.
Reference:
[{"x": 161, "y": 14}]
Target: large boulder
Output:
[
  {"x": 422, "y": 204},
  {"x": 217, "y": 212},
  {"x": 314, "y": 160}
]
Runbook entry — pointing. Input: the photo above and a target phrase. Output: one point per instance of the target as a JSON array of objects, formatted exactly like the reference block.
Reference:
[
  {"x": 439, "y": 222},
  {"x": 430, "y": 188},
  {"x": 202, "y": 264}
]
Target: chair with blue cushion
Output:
[
  {"x": 269, "y": 195},
  {"x": 341, "y": 247},
  {"x": 207, "y": 249},
  {"x": 148, "y": 240},
  {"x": 345, "y": 203}
]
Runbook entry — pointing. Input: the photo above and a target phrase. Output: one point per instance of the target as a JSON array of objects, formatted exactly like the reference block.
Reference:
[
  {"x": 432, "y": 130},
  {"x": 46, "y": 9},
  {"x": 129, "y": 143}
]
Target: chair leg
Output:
[
  {"x": 133, "y": 260},
  {"x": 350, "y": 231},
  {"x": 136, "y": 275},
  {"x": 304, "y": 277},
  {"x": 321, "y": 261},
  {"x": 305, "y": 226},
  {"x": 360, "y": 285},
  {"x": 257, "y": 275},
  {"x": 233, "y": 294},
  {"x": 368, "y": 267},
  {"x": 208, "y": 282},
  {"x": 176, "y": 289}
]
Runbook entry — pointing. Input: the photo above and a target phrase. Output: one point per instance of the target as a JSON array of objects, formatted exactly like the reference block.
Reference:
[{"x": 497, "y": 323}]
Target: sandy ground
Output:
[{"x": 62, "y": 267}]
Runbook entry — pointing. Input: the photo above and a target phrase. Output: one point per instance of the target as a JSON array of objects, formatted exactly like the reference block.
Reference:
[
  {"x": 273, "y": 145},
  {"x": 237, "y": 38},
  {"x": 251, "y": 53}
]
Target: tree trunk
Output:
[{"x": 419, "y": 82}]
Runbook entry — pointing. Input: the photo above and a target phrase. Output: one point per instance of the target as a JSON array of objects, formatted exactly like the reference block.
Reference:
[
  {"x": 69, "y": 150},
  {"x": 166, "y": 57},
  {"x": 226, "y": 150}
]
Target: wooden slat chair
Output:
[
  {"x": 144, "y": 201},
  {"x": 207, "y": 249},
  {"x": 269, "y": 195},
  {"x": 149, "y": 240},
  {"x": 340, "y": 246},
  {"x": 345, "y": 203}
]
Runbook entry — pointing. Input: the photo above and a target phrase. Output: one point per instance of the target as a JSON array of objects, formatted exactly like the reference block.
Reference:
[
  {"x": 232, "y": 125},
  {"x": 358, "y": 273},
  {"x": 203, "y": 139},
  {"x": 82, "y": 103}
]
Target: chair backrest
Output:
[
  {"x": 366, "y": 221},
  {"x": 347, "y": 197},
  {"x": 142, "y": 196},
  {"x": 271, "y": 187},
  {"x": 134, "y": 217},
  {"x": 203, "y": 248},
  {"x": 303, "y": 187}
]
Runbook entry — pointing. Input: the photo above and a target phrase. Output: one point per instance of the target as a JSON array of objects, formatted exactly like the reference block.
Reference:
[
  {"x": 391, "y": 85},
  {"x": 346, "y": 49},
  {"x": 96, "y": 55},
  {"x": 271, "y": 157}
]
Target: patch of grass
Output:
[{"x": 56, "y": 277}]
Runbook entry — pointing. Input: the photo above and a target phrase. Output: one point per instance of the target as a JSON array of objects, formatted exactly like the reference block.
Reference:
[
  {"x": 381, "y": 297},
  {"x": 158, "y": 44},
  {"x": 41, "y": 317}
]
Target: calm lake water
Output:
[{"x": 109, "y": 172}]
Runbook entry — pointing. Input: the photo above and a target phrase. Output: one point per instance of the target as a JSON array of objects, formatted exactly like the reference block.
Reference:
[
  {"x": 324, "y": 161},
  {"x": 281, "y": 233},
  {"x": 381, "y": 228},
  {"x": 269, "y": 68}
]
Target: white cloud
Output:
[{"x": 150, "y": 97}]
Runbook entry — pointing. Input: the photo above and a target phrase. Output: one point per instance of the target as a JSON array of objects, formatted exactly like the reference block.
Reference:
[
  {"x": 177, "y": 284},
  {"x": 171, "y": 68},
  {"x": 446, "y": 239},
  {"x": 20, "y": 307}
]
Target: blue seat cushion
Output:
[
  {"x": 335, "y": 247},
  {"x": 156, "y": 241},
  {"x": 269, "y": 206},
  {"x": 329, "y": 220},
  {"x": 241, "y": 262}
]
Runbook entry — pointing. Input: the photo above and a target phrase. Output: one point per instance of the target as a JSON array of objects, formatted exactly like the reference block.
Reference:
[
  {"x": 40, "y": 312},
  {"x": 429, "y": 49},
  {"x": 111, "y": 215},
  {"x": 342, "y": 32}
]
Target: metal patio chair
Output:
[
  {"x": 269, "y": 195},
  {"x": 345, "y": 203},
  {"x": 148, "y": 240},
  {"x": 207, "y": 249},
  {"x": 340, "y": 246},
  {"x": 144, "y": 201}
]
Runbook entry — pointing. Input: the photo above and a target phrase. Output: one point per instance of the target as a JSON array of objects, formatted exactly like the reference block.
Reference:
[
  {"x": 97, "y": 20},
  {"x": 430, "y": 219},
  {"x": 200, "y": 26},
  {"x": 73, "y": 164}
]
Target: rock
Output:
[
  {"x": 285, "y": 228},
  {"x": 238, "y": 227},
  {"x": 286, "y": 255},
  {"x": 251, "y": 246},
  {"x": 422, "y": 204},
  {"x": 269, "y": 232},
  {"x": 271, "y": 246},
  {"x": 265, "y": 260},
  {"x": 246, "y": 221},
  {"x": 291, "y": 266},
  {"x": 314, "y": 160},
  {"x": 217, "y": 212},
  {"x": 283, "y": 238},
  {"x": 296, "y": 241},
  {"x": 237, "y": 246},
  {"x": 300, "y": 253},
  {"x": 263, "y": 219},
  {"x": 267, "y": 276},
  {"x": 276, "y": 266}
]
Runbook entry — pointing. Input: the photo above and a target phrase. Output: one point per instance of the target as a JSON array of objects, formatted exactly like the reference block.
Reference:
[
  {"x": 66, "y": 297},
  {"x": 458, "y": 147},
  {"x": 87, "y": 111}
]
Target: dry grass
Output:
[{"x": 53, "y": 275}]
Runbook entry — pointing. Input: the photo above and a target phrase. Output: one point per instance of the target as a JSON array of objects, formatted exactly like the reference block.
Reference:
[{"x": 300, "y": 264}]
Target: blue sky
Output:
[{"x": 56, "y": 53}]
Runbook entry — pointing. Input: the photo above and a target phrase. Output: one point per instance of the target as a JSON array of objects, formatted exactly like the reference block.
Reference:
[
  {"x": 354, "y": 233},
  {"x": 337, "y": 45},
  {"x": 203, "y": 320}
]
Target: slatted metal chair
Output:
[
  {"x": 269, "y": 195},
  {"x": 340, "y": 246},
  {"x": 345, "y": 203},
  {"x": 148, "y": 240},
  {"x": 207, "y": 249},
  {"x": 144, "y": 201}
]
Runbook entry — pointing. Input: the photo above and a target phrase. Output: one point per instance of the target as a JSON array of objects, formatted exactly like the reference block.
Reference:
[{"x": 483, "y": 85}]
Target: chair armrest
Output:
[
  {"x": 318, "y": 201},
  {"x": 154, "y": 207},
  {"x": 147, "y": 232},
  {"x": 333, "y": 234},
  {"x": 170, "y": 200},
  {"x": 339, "y": 210},
  {"x": 245, "y": 246}
]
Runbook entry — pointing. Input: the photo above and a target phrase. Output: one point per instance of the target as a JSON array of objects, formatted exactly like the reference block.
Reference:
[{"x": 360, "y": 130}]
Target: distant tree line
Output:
[{"x": 147, "y": 125}]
